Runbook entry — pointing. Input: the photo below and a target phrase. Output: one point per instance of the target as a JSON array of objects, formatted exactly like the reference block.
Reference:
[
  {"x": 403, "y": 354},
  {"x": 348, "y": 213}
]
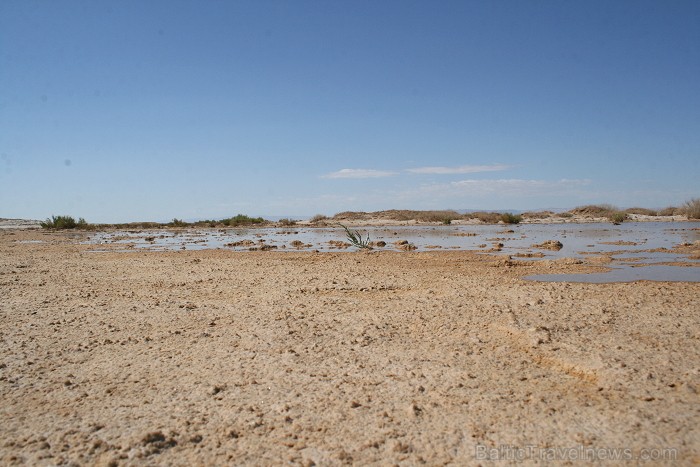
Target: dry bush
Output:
[
  {"x": 670, "y": 211},
  {"x": 691, "y": 208},
  {"x": 537, "y": 215},
  {"x": 352, "y": 216},
  {"x": 421, "y": 216},
  {"x": 318, "y": 218},
  {"x": 485, "y": 217},
  {"x": 595, "y": 210},
  {"x": 641, "y": 211}
]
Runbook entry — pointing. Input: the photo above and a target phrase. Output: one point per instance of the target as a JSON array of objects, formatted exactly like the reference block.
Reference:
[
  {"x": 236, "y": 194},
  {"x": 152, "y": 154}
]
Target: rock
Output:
[{"x": 549, "y": 245}]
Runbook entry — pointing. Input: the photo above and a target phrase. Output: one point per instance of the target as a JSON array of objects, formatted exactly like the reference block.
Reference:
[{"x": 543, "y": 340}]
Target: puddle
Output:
[
  {"x": 627, "y": 274},
  {"x": 628, "y": 244}
]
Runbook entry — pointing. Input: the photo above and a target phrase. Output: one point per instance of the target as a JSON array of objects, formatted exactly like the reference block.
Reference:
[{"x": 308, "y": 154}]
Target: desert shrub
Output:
[
  {"x": 178, "y": 223},
  {"x": 618, "y": 217},
  {"x": 422, "y": 216},
  {"x": 352, "y": 215},
  {"x": 485, "y": 217},
  {"x": 537, "y": 215},
  {"x": 691, "y": 208},
  {"x": 669, "y": 211},
  {"x": 595, "y": 210},
  {"x": 641, "y": 211},
  {"x": 242, "y": 219},
  {"x": 60, "y": 223},
  {"x": 287, "y": 222},
  {"x": 509, "y": 218},
  {"x": 565, "y": 215},
  {"x": 318, "y": 218}
]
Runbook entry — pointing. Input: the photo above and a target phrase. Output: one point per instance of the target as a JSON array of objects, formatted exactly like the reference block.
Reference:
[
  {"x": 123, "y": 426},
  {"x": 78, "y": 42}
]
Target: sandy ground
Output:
[{"x": 264, "y": 358}]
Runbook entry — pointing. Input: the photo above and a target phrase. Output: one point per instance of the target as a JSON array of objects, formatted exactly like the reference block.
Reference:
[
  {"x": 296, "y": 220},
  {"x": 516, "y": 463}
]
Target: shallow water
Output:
[
  {"x": 628, "y": 244},
  {"x": 627, "y": 274}
]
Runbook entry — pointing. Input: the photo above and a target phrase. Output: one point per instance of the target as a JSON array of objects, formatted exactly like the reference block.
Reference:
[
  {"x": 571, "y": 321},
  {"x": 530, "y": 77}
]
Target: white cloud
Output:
[
  {"x": 359, "y": 173},
  {"x": 462, "y": 169},
  {"x": 507, "y": 187}
]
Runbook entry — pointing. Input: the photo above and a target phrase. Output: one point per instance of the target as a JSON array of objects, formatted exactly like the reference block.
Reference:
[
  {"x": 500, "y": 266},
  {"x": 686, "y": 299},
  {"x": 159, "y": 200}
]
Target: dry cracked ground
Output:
[{"x": 267, "y": 358}]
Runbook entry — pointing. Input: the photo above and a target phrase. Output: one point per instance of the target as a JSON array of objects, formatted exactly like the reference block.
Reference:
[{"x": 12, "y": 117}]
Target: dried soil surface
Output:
[{"x": 216, "y": 357}]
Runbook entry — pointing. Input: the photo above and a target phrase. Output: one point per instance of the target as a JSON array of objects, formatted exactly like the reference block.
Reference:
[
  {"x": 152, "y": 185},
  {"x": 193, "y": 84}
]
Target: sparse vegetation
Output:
[
  {"x": 670, "y": 211},
  {"x": 595, "y": 210},
  {"x": 318, "y": 218},
  {"x": 537, "y": 215},
  {"x": 66, "y": 222},
  {"x": 509, "y": 218},
  {"x": 485, "y": 217},
  {"x": 178, "y": 223},
  {"x": 618, "y": 217},
  {"x": 641, "y": 211},
  {"x": 355, "y": 238},
  {"x": 241, "y": 219},
  {"x": 691, "y": 208},
  {"x": 287, "y": 222}
]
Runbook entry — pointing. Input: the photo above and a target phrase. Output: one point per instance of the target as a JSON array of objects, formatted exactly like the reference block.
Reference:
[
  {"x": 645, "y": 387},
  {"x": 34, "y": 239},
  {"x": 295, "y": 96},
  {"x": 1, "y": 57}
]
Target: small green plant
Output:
[
  {"x": 509, "y": 218},
  {"x": 692, "y": 208},
  {"x": 355, "y": 238}
]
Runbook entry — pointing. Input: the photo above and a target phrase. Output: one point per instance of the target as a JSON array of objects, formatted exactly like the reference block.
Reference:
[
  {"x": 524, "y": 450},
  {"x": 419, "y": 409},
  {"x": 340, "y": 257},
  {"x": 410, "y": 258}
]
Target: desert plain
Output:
[{"x": 216, "y": 357}]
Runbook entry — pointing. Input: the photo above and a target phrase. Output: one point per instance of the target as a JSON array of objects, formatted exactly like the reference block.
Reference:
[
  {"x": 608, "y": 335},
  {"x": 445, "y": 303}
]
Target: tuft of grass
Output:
[
  {"x": 242, "y": 219},
  {"x": 691, "y": 208},
  {"x": 509, "y": 218},
  {"x": 355, "y": 238}
]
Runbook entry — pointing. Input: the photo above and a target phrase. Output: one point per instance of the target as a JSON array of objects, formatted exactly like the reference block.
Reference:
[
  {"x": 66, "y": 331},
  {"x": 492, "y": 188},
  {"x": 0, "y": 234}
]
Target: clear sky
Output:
[{"x": 148, "y": 110}]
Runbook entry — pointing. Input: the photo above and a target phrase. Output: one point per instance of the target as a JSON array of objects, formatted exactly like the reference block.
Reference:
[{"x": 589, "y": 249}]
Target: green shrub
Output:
[
  {"x": 509, "y": 218},
  {"x": 60, "y": 222},
  {"x": 178, "y": 223},
  {"x": 242, "y": 219}
]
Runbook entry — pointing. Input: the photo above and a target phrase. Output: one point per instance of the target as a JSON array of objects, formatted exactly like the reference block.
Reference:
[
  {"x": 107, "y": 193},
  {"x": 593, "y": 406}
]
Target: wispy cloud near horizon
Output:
[
  {"x": 359, "y": 173},
  {"x": 462, "y": 169}
]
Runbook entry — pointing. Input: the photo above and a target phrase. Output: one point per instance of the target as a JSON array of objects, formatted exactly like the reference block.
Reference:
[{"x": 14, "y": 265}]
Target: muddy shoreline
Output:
[{"x": 214, "y": 357}]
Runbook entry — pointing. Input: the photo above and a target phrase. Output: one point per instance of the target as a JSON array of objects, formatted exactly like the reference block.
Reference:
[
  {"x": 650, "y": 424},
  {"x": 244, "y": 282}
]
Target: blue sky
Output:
[{"x": 148, "y": 110}]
